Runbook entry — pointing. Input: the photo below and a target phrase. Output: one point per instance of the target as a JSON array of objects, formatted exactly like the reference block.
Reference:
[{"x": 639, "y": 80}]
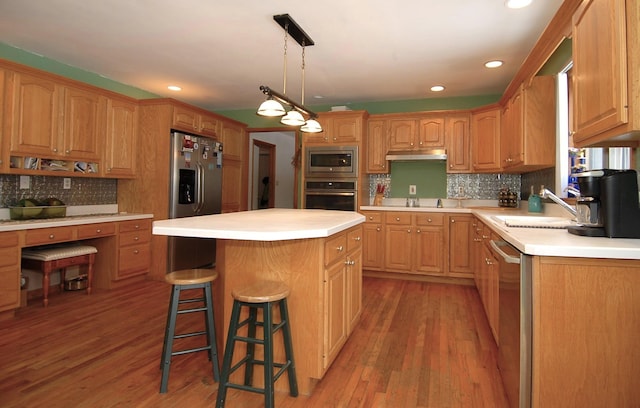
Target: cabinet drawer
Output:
[
  {"x": 354, "y": 239},
  {"x": 9, "y": 256},
  {"x": 135, "y": 225},
  {"x": 8, "y": 239},
  {"x": 133, "y": 260},
  {"x": 134, "y": 237},
  {"x": 430, "y": 219},
  {"x": 398, "y": 218},
  {"x": 96, "y": 230},
  {"x": 48, "y": 235},
  {"x": 373, "y": 217},
  {"x": 335, "y": 247}
]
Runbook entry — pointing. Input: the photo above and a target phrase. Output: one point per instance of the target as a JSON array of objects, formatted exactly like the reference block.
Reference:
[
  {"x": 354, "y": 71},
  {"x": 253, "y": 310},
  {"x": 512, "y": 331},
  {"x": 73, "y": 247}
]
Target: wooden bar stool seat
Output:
[
  {"x": 260, "y": 296},
  {"x": 53, "y": 257},
  {"x": 184, "y": 280}
]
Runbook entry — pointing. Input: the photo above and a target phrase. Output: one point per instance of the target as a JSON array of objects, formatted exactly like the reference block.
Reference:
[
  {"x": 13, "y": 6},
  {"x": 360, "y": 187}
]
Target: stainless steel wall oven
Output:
[
  {"x": 336, "y": 194},
  {"x": 331, "y": 161}
]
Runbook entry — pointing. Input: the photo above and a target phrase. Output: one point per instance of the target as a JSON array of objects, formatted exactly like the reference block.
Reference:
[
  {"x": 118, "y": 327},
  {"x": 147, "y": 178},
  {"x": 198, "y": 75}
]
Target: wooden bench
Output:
[{"x": 50, "y": 258}]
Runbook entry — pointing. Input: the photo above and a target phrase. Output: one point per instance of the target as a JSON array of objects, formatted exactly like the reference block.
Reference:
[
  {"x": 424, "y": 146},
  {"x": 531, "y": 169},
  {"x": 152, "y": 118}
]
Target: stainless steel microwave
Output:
[{"x": 331, "y": 161}]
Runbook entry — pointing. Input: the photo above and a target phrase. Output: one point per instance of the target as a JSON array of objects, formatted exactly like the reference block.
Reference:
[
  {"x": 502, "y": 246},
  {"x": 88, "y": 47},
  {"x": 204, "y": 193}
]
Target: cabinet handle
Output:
[
  {"x": 452, "y": 220},
  {"x": 98, "y": 231},
  {"x": 136, "y": 252},
  {"x": 136, "y": 238},
  {"x": 377, "y": 228},
  {"x": 485, "y": 236},
  {"x": 348, "y": 262},
  {"x": 370, "y": 218},
  {"x": 409, "y": 231},
  {"x": 488, "y": 261},
  {"x": 477, "y": 239},
  {"x": 340, "y": 248},
  {"x": 428, "y": 219},
  {"x": 51, "y": 236},
  {"x": 418, "y": 231},
  {"x": 357, "y": 239},
  {"x": 397, "y": 218}
]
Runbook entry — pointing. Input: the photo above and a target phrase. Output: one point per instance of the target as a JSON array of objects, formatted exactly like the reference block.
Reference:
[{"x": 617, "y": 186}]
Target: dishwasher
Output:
[{"x": 514, "y": 327}]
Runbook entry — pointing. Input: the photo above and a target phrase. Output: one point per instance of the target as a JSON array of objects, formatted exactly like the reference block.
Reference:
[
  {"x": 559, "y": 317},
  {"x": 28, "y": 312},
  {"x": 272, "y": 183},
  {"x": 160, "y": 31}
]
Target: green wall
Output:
[
  {"x": 247, "y": 116},
  {"x": 429, "y": 177}
]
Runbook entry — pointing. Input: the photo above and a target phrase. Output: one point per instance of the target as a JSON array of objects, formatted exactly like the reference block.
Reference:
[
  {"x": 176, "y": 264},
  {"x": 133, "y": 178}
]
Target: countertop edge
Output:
[{"x": 9, "y": 226}]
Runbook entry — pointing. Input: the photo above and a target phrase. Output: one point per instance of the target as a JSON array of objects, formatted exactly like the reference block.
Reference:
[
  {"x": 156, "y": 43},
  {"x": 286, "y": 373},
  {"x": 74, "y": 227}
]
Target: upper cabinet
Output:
[
  {"x": 606, "y": 78},
  {"x": 121, "y": 138},
  {"x": 340, "y": 128},
  {"x": 375, "y": 146},
  {"x": 458, "y": 143},
  {"x": 528, "y": 127},
  {"x": 417, "y": 133},
  {"x": 194, "y": 121},
  {"x": 485, "y": 140},
  {"x": 51, "y": 120}
]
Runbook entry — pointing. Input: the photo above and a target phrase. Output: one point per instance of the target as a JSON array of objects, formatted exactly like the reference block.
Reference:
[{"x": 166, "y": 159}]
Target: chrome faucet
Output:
[{"x": 545, "y": 193}]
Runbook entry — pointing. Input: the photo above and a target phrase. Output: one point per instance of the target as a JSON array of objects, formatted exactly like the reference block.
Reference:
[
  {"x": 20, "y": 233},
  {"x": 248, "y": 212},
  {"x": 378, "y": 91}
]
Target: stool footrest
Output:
[
  {"x": 192, "y": 334},
  {"x": 191, "y": 350},
  {"x": 197, "y": 309}
]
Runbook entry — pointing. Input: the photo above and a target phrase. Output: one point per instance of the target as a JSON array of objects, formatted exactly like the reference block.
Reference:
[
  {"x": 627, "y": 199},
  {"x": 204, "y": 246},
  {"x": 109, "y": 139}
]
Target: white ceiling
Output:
[{"x": 221, "y": 51}]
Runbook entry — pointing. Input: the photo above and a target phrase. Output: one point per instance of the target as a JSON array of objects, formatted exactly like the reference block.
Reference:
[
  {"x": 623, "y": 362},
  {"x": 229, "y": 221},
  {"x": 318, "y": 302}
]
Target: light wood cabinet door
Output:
[
  {"x": 376, "y": 146},
  {"x": 34, "y": 120},
  {"x": 431, "y": 132},
  {"x": 84, "y": 122},
  {"x": 373, "y": 242},
  {"x": 341, "y": 128},
  {"x": 231, "y": 185},
  {"x": 9, "y": 271},
  {"x": 335, "y": 325},
  {"x": 402, "y": 134},
  {"x": 458, "y": 143},
  {"x": 121, "y": 140},
  {"x": 460, "y": 245},
  {"x": 234, "y": 142},
  {"x": 512, "y": 131},
  {"x": 485, "y": 140},
  {"x": 347, "y": 130},
  {"x": 234, "y": 173},
  {"x": 429, "y": 250},
  {"x": 600, "y": 94},
  {"x": 354, "y": 288},
  {"x": 398, "y": 247},
  {"x": 5, "y": 140}
]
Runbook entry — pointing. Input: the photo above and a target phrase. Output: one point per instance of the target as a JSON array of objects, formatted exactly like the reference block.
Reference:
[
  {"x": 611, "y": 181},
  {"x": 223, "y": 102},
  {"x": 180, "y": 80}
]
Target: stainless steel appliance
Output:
[
  {"x": 336, "y": 194},
  {"x": 331, "y": 162},
  {"x": 195, "y": 188},
  {"x": 515, "y": 322},
  {"x": 608, "y": 205}
]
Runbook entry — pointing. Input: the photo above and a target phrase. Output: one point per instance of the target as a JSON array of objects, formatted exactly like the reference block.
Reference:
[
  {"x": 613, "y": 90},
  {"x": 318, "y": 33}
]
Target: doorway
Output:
[{"x": 264, "y": 159}]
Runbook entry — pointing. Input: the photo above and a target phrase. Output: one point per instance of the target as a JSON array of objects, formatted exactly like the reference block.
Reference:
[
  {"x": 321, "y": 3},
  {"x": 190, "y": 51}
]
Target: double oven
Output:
[{"x": 331, "y": 178}]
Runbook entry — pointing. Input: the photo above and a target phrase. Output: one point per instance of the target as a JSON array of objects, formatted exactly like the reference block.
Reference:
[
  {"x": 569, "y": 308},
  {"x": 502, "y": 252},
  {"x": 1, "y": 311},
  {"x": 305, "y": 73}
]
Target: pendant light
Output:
[{"x": 273, "y": 106}]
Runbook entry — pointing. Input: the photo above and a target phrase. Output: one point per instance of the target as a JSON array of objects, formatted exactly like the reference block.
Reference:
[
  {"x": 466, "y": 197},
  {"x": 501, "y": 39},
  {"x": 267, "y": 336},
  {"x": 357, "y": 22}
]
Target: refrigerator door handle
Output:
[{"x": 202, "y": 196}]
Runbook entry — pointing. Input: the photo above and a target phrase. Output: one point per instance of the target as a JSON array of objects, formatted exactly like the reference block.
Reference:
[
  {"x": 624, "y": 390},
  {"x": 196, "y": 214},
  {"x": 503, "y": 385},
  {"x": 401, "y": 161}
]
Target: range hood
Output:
[{"x": 409, "y": 155}]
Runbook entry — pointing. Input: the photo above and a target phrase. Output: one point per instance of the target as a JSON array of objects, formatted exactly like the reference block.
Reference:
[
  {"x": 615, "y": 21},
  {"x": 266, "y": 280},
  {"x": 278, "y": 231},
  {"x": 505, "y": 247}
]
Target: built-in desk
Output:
[
  {"x": 316, "y": 252},
  {"x": 122, "y": 240}
]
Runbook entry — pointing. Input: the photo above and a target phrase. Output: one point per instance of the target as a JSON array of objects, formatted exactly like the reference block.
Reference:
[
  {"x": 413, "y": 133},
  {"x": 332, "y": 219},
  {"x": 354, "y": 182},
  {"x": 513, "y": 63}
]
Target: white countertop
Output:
[
  {"x": 537, "y": 241},
  {"x": 7, "y": 225},
  {"x": 274, "y": 224}
]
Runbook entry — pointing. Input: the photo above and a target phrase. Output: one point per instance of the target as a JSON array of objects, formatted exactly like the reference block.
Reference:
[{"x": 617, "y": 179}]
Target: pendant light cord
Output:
[
  {"x": 303, "y": 73},
  {"x": 284, "y": 75}
]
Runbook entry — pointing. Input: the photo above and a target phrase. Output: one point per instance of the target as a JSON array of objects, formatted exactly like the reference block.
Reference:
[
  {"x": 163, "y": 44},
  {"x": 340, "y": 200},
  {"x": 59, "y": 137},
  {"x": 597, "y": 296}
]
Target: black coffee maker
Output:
[{"x": 608, "y": 205}]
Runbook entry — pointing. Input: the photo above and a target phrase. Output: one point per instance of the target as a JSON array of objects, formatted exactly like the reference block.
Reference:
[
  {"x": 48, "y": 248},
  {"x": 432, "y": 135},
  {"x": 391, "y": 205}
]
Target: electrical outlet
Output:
[
  {"x": 412, "y": 189},
  {"x": 66, "y": 183},
  {"x": 460, "y": 191},
  {"x": 25, "y": 181}
]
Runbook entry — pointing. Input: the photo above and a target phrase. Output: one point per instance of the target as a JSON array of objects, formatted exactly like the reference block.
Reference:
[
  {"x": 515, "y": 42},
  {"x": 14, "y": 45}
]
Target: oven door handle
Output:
[
  {"x": 331, "y": 193},
  {"x": 496, "y": 245}
]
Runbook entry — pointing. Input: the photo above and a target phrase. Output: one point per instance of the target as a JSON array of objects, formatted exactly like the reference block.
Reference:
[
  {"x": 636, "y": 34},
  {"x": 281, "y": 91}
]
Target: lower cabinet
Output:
[
  {"x": 486, "y": 274},
  {"x": 424, "y": 243},
  {"x": 134, "y": 249},
  {"x": 342, "y": 290},
  {"x": 9, "y": 271}
]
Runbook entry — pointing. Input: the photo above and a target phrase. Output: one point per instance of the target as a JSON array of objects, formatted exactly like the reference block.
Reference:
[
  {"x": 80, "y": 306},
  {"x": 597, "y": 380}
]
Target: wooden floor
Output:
[{"x": 417, "y": 345}]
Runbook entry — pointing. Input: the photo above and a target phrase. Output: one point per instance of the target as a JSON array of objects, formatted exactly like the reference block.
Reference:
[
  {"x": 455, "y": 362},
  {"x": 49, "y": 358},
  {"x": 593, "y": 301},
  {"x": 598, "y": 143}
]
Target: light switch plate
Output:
[
  {"x": 66, "y": 183},
  {"x": 412, "y": 189},
  {"x": 24, "y": 182}
]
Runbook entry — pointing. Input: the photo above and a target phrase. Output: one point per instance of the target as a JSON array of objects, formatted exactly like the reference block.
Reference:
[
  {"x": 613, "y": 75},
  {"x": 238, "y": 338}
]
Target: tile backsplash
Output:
[
  {"x": 474, "y": 186},
  {"x": 83, "y": 191}
]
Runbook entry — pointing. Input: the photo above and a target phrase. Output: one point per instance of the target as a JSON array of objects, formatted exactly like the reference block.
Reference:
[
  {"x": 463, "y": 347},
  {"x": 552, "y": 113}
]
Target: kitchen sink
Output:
[{"x": 533, "y": 221}]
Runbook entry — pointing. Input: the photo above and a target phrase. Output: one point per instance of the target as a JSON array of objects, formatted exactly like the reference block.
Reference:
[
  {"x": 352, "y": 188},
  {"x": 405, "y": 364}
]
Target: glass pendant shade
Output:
[
  {"x": 271, "y": 108},
  {"x": 311, "y": 126},
  {"x": 292, "y": 118}
]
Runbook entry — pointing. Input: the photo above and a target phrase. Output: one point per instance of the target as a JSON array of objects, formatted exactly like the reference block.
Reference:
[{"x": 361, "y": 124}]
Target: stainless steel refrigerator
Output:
[{"x": 195, "y": 189}]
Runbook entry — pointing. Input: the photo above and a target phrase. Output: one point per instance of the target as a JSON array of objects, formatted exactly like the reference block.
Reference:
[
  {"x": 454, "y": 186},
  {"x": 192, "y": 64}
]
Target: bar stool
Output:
[
  {"x": 184, "y": 280},
  {"x": 50, "y": 258},
  {"x": 262, "y": 295}
]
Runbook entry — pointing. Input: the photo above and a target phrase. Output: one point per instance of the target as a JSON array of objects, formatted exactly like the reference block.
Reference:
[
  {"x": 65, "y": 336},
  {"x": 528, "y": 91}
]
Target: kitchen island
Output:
[{"x": 316, "y": 252}]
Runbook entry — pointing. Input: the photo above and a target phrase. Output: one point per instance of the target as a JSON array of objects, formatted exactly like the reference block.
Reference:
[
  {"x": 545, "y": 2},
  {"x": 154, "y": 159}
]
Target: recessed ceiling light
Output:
[
  {"x": 516, "y": 4},
  {"x": 174, "y": 88},
  {"x": 437, "y": 88},
  {"x": 493, "y": 64}
]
